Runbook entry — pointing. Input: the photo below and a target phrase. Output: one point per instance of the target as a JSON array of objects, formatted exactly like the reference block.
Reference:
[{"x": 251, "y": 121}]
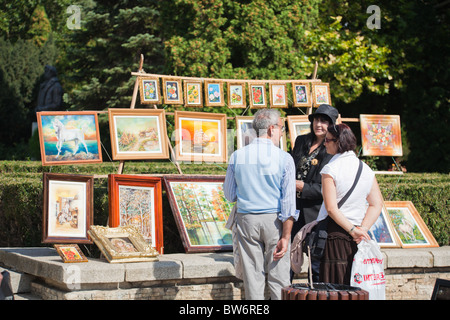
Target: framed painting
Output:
[
  {"x": 200, "y": 136},
  {"x": 257, "y": 92},
  {"x": 245, "y": 132},
  {"x": 193, "y": 93},
  {"x": 278, "y": 95},
  {"x": 409, "y": 225},
  {"x": 321, "y": 94},
  {"x": 381, "y": 135},
  {"x": 138, "y": 134},
  {"x": 122, "y": 244},
  {"x": 236, "y": 95},
  {"x": 383, "y": 231},
  {"x": 136, "y": 200},
  {"x": 298, "y": 125},
  {"x": 68, "y": 208},
  {"x": 149, "y": 90},
  {"x": 200, "y": 211},
  {"x": 69, "y": 137},
  {"x": 70, "y": 253},
  {"x": 172, "y": 90},
  {"x": 301, "y": 94},
  {"x": 214, "y": 94}
]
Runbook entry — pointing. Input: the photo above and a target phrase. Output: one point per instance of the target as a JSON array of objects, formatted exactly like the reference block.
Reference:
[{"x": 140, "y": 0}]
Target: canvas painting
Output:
[
  {"x": 69, "y": 137},
  {"x": 70, "y": 253},
  {"x": 200, "y": 136},
  {"x": 301, "y": 95},
  {"x": 173, "y": 94},
  {"x": 321, "y": 94},
  {"x": 236, "y": 95},
  {"x": 68, "y": 208},
  {"x": 214, "y": 94},
  {"x": 257, "y": 93},
  {"x": 381, "y": 135},
  {"x": 136, "y": 200},
  {"x": 138, "y": 134},
  {"x": 149, "y": 90},
  {"x": 278, "y": 95},
  {"x": 409, "y": 225},
  {"x": 298, "y": 125},
  {"x": 383, "y": 231},
  {"x": 192, "y": 93},
  {"x": 245, "y": 133},
  {"x": 201, "y": 212}
]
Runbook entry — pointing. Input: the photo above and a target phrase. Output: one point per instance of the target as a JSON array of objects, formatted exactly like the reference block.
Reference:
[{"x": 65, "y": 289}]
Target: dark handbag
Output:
[
  {"x": 317, "y": 238},
  {"x": 6, "y": 292}
]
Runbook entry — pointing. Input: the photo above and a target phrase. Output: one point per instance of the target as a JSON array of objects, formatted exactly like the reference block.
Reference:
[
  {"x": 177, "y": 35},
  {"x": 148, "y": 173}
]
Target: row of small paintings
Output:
[
  {"x": 213, "y": 94},
  {"x": 140, "y": 134},
  {"x": 199, "y": 207}
]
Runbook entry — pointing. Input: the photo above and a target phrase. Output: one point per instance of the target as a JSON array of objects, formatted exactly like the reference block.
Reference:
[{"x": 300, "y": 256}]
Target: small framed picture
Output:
[
  {"x": 136, "y": 200},
  {"x": 298, "y": 125},
  {"x": 383, "y": 231},
  {"x": 69, "y": 137},
  {"x": 122, "y": 244},
  {"x": 173, "y": 93},
  {"x": 278, "y": 95},
  {"x": 138, "y": 134},
  {"x": 236, "y": 95},
  {"x": 214, "y": 94},
  {"x": 68, "y": 208},
  {"x": 257, "y": 92},
  {"x": 193, "y": 93},
  {"x": 301, "y": 94},
  {"x": 70, "y": 253},
  {"x": 149, "y": 90},
  {"x": 321, "y": 94},
  {"x": 381, "y": 135},
  {"x": 409, "y": 225},
  {"x": 245, "y": 133}
]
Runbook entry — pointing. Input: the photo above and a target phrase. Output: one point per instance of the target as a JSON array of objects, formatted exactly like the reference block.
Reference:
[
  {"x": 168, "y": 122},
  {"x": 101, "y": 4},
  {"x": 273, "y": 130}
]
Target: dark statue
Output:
[{"x": 50, "y": 91}]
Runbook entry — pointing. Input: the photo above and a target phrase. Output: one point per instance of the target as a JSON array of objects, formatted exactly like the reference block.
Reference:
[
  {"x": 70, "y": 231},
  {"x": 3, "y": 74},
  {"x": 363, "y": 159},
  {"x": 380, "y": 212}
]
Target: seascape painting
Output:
[{"x": 69, "y": 137}]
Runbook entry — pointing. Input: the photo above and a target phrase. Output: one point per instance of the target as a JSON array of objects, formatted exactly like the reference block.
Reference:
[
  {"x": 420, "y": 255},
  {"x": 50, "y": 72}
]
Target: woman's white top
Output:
[{"x": 343, "y": 168}]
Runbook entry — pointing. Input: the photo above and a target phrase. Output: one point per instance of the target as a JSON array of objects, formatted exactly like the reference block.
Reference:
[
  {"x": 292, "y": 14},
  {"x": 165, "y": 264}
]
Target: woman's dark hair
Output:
[{"x": 346, "y": 139}]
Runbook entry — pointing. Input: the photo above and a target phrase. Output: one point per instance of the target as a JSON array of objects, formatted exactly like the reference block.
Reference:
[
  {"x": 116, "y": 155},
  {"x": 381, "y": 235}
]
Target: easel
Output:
[{"x": 133, "y": 104}]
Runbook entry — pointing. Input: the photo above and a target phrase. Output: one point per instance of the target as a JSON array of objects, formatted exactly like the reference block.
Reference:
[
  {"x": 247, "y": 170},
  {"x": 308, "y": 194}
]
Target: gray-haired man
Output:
[{"x": 261, "y": 178}]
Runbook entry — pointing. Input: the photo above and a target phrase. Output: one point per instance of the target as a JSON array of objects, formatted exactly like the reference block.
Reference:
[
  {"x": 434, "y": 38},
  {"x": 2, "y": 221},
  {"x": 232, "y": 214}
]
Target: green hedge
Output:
[{"x": 21, "y": 197}]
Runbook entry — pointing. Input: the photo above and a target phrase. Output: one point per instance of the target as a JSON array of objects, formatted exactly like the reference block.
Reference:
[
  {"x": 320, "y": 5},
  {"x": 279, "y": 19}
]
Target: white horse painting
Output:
[{"x": 65, "y": 135}]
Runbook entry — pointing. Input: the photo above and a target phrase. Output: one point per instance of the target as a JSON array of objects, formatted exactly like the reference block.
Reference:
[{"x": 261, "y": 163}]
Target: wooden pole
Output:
[{"x": 314, "y": 77}]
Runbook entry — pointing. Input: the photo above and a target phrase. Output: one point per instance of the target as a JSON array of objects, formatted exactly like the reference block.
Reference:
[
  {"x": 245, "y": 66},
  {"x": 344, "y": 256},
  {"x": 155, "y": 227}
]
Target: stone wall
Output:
[{"x": 39, "y": 273}]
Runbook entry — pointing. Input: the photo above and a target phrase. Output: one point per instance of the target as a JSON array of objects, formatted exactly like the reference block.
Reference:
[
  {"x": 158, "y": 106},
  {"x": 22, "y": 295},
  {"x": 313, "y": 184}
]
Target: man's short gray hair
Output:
[{"x": 265, "y": 118}]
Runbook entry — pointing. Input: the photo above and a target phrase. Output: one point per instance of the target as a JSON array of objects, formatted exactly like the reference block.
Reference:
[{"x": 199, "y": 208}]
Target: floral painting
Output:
[
  {"x": 236, "y": 95},
  {"x": 69, "y": 137},
  {"x": 172, "y": 91},
  {"x": 201, "y": 213},
  {"x": 301, "y": 94},
  {"x": 149, "y": 90},
  {"x": 381, "y": 135},
  {"x": 278, "y": 95},
  {"x": 192, "y": 94},
  {"x": 321, "y": 94},
  {"x": 257, "y": 95},
  {"x": 214, "y": 93}
]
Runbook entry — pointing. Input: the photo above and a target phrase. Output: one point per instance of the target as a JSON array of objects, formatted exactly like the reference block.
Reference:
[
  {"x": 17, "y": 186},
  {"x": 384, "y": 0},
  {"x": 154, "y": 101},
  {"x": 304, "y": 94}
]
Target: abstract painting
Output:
[{"x": 381, "y": 135}]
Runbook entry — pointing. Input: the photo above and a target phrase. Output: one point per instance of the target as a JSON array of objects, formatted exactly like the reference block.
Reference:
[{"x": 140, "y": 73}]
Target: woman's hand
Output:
[
  {"x": 359, "y": 233},
  {"x": 299, "y": 185}
]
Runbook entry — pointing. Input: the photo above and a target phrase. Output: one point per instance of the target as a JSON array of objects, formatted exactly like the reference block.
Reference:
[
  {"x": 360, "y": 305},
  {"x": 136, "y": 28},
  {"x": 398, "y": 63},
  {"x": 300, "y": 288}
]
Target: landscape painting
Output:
[
  {"x": 69, "y": 137},
  {"x": 201, "y": 212},
  {"x": 138, "y": 134}
]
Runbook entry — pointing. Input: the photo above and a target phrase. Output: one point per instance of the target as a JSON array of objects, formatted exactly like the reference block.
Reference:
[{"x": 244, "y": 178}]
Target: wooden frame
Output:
[
  {"x": 200, "y": 211},
  {"x": 214, "y": 96},
  {"x": 122, "y": 244},
  {"x": 298, "y": 125},
  {"x": 136, "y": 200},
  {"x": 409, "y": 225},
  {"x": 200, "y": 136},
  {"x": 192, "y": 93},
  {"x": 301, "y": 94},
  {"x": 321, "y": 94},
  {"x": 172, "y": 90},
  {"x": 149, "y": 90},
  {"x": 236, "y": 95},
  {"x": 257, "y": 94},
  {"x": 278, "y": 95},
  {"x": 70, "y": 253},
  {"x": 138, "y": 134},
  {"x": 69, "y": 137},
  {"x": 383, "y": 231},
  {"x": 245, "y": 133},
  {"x": 381, "y": 135},
  {"x": 68, "y": 208}
]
